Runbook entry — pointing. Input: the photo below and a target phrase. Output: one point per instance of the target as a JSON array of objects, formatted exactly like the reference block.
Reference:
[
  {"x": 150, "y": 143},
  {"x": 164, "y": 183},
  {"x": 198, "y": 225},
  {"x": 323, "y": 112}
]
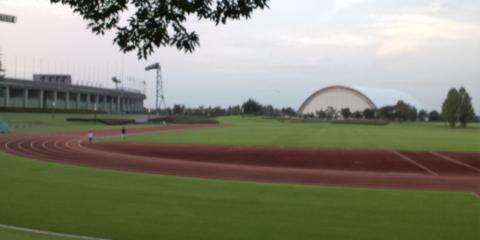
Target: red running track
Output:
[{"x": 354, "y": 168}]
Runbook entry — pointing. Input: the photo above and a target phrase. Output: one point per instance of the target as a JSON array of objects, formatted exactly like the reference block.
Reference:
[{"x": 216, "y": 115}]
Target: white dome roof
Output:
[{"x": 356, "y": 98}]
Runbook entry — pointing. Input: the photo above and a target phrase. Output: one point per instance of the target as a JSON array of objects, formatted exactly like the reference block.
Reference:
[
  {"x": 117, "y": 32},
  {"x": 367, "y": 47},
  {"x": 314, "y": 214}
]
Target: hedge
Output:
[
  {"x": 183, "y": 120},
  {"x": 105, "y": 121},
  {"x": 362, "y": 122}
]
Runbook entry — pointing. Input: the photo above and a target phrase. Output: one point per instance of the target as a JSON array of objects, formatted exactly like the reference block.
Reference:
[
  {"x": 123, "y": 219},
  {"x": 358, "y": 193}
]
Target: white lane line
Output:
[
  {"x": 476, "y": 195},
  {"x": 453, "y": 160},
  {"x": 65, "y": 235},
  {"x": 410, "y": 160}
]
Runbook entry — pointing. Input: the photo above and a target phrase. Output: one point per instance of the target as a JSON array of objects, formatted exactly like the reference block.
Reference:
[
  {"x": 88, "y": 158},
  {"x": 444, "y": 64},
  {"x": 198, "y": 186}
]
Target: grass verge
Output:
[
  {"x": 120, "y": 205},
  {"x": 267, "y": 132}
]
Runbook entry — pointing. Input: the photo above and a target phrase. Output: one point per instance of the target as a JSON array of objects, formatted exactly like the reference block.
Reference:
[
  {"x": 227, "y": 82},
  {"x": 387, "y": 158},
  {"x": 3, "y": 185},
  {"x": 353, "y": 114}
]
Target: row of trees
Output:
[
  {"x": 250, "y": 107},
  {"x": 457, "y": 108}
]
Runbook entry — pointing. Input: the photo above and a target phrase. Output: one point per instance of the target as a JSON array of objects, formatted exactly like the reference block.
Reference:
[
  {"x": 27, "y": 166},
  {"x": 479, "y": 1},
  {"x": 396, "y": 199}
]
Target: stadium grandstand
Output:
[{"x": 47, "y": 91}]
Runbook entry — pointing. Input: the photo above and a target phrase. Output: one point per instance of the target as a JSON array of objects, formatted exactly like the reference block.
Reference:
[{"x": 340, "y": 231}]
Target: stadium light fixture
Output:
[{"x": 159, "y": 96}]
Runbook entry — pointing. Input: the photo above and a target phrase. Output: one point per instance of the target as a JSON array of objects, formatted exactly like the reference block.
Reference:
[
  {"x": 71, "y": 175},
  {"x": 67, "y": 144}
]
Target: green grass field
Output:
[
  {"x": 121, "y": 205},
  {"x": 6, "y": 234},
  {"x": 264, "y": 132}
]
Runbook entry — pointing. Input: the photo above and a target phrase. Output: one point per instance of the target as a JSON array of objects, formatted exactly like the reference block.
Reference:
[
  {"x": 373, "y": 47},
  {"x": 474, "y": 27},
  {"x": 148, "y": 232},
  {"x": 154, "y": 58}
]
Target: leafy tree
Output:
[
  {"x": 346, "y": 113},
  {"x": 422, "y": 115},
  {"x": 289, "y": 112},
  {"x": 235, "y": 110},
  {"x": 387, "y": 112},
  {"x": 331, "y": 113},
  {"x": 158, "y": 23},
  {"x": 369, "y": 113},
  {"x": 450, "y": 107},
  {"x": 269, "y": 110},
  {"x": 434, "y": 116},
  {"x": 308, "y": 116},
  {"x": 321, "y": 114},
  {"x": 251, "y": 107},
  {"x": 178, "y": 109},
  {"x": 357, "y": 115},
  {"x": 466, "y": 112}
]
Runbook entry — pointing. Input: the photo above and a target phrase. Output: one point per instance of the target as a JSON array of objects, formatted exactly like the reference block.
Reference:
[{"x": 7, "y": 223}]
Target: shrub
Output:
[
  {"x": 105, "y": 121},
  {"x": 362, "y": 122},
  {"x": 183, "y": 120}
]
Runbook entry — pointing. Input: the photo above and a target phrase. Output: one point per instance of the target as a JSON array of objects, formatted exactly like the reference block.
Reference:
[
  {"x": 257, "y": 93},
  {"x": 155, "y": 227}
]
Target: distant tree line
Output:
[
  {"x": 249, "y": 107},
  {"x": 457, "y": 108}
]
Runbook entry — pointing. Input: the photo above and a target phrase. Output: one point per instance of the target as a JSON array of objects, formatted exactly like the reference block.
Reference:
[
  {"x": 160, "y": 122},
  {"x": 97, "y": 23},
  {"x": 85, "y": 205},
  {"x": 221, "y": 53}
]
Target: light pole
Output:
[
  {"x": 8, "y": 19},
  {"x": 54, "y": 105},
  {"x": 116, "y": 81},
  {"x": 95, "y": 111},
  {"x": 159, "y": 96}
]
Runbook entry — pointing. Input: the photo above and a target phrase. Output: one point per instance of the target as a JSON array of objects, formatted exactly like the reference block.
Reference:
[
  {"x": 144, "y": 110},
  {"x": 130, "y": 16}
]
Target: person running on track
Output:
[
  {"x": 90, "y": 136},
  {"x": 124, "y": 132}
]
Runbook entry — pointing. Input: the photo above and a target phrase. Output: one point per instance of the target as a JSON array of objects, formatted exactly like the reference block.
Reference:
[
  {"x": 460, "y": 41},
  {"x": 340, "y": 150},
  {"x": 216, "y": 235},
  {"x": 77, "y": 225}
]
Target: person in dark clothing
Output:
[{"x": 124, "y": 132}]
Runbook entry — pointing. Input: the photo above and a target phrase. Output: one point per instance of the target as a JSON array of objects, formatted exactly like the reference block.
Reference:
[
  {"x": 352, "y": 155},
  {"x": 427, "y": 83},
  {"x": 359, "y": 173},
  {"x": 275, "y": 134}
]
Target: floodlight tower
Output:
[
  {"x": 159, "y": 97},
  {"x": 116, "y": 81},
  {"x": 2, "y": 71},
  {"x": 8, "y": 19}
]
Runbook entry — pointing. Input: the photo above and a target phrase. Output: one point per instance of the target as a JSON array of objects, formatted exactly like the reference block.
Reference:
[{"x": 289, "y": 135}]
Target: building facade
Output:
[{"x": 61, "y": 94}]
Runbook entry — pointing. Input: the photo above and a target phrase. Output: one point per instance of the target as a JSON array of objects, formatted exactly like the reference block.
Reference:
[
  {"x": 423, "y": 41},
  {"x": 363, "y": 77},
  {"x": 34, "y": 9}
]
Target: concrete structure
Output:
[
  {"x": 53, "y": 78},
  {"x": 49, "y": 95},
  {"x": 354, "y": 98}
]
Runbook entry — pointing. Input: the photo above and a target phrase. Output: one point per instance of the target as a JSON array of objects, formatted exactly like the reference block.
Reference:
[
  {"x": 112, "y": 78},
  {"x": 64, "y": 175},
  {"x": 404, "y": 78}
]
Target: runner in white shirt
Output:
[{"x": 90, "y": 136}]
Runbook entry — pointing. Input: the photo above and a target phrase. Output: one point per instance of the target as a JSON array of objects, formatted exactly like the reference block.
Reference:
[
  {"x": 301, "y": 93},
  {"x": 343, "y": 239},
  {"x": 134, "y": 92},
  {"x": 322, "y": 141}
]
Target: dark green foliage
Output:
[
  {"x": 251, "y": 107},
  {"x": 466, "y": 112},
  {"x": 183, "y": 120},
  {"x": 178, "y": 109},
  {"x": 374, "y": 122},
  {"x": 103, "y": 120},
  {"x": 321, "y": 114},
  {"x": 450, "y": 107},
  {"x": 422, "y": 115},
  {"x": 346, "y": 113},
  {"x": 158, "y": 23},
  {"x": 357, "y": 115},
  {"x": 331, "y": 113},
  {"x": 457, "y": 107},
  {"x": 434, "y": 116},
  {"x": 369, "y": 113},
  {"x": 399, "y": 112},
  {"x": 289, "y": 112}
]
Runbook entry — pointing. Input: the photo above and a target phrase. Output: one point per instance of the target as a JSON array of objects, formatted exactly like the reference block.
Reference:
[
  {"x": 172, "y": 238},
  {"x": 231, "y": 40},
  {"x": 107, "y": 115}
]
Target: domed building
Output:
[{"x": 355, "y": 98}]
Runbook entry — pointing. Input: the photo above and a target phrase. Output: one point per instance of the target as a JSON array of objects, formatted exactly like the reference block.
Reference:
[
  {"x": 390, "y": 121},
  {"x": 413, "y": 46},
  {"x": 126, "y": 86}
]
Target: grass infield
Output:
[
  {"x": 119, "y": 205},
  {"x": 267, "y": 132},
  {"x": 7, "y": 234}
]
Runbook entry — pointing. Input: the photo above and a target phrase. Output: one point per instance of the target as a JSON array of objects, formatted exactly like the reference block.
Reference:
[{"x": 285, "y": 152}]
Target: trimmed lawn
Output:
[
  {"x": 120, "y": 205},
  {"x": 264, "y": 132},
  {"x": 7, "y": 234}
]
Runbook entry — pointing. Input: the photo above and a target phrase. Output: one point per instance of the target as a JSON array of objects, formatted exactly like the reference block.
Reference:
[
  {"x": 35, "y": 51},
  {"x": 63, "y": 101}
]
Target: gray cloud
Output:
[{"x": 279, "y": 57}]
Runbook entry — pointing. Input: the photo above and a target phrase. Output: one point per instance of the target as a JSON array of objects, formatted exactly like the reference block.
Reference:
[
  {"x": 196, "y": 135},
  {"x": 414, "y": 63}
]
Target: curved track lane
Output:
[{"x": 380, "y": 169}]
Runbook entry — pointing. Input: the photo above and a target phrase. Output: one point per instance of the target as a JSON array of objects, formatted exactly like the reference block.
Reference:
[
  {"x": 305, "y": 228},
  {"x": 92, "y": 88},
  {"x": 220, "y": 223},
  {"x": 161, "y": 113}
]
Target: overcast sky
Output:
[{"x": 279, "y": 57}]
